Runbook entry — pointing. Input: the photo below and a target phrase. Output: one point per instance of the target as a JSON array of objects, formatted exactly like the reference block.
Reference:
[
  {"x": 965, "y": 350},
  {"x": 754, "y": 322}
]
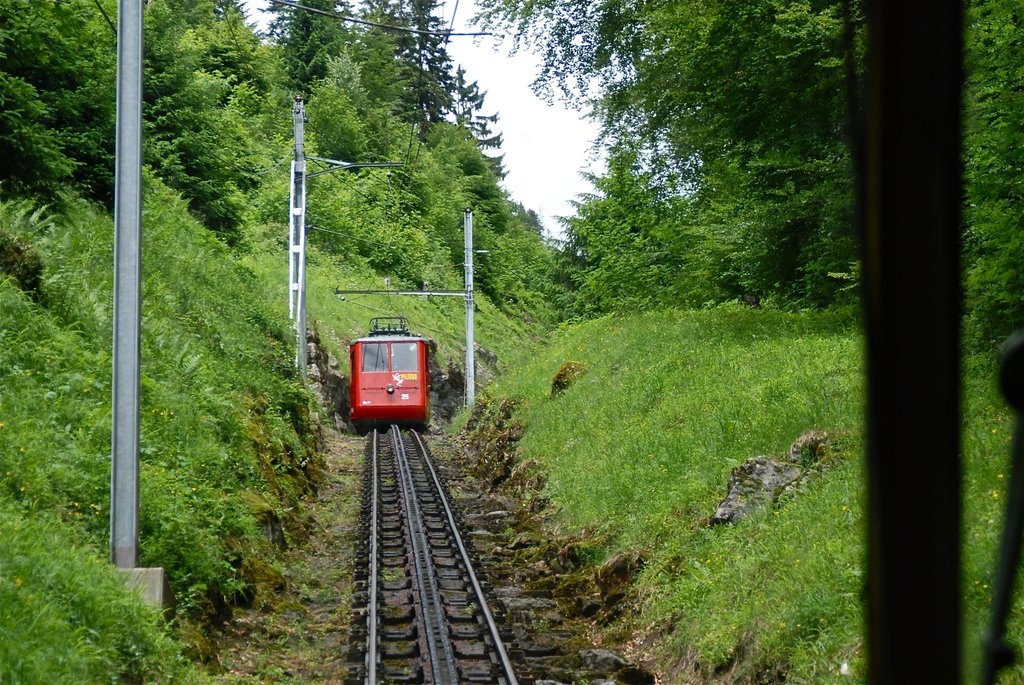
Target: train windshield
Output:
[
  {"x": 404, "y": 357},
  {"x": 375, "y": 357}
]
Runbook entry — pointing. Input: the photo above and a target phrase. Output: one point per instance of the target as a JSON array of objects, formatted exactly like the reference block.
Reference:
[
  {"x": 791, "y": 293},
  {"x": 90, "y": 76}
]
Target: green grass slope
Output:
[
  {"x": 227, "y": 433},
  {"x": 637, "y": 453}
]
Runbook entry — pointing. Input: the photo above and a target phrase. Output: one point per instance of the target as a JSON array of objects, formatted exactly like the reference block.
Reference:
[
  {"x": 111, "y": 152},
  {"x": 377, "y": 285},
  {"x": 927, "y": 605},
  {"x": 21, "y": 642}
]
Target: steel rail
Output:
[
  {"x": 371, "y": 618},
  {"x": 492, "y": 627},
  {"x": 442, "y": 654}
]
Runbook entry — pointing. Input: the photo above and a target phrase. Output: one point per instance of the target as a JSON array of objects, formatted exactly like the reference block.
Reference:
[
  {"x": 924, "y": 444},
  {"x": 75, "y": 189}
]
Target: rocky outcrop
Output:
[
  {"x": 809, "y": 448},
  {"x": 447, "y": 390},
  {"x": 755, "y": 483},
  {"x": 329, "y": 383},
  {"x": 448, "y": 383},
  {"x": 608, "y": 661},
  {"x": 615, "y": 576},
  {"x": 760, "y": 481}
]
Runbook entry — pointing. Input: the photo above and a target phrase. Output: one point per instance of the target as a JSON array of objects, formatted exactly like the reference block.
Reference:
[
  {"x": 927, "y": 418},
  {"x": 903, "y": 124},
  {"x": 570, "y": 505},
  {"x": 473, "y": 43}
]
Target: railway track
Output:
[{"x": 427, "y": 619}]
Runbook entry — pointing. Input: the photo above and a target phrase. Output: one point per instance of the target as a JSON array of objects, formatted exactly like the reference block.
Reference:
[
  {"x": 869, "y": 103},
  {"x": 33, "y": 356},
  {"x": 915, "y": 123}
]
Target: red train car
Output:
[{"x": 390, "y": 377}]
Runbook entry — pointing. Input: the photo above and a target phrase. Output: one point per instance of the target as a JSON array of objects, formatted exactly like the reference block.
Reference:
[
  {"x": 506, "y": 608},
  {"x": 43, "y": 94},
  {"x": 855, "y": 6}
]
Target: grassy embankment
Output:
[
  {"x": 639, "y": 450},
  {"x": 227, "y": 433},
  {"x": 226, "y": 442}
]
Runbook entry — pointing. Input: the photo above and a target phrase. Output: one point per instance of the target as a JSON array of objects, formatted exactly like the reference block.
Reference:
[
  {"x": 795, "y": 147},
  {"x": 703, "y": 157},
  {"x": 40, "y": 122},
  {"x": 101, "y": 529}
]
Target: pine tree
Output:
[
  {"x": 425, "y": 60},
  {"x": 466, "y": 108},
  {"x": 310, "y": 39}
]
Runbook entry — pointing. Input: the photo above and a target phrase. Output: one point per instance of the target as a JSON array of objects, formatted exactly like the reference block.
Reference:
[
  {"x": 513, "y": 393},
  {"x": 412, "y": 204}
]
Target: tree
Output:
[
  {"x": 738, "y": 107},
  {"x": 308, "y": 40},
  {"x": 994, "y": 180},
  {"x": 425, "y": 60},
  {"x": 467, "y": 107},
  {"x": 197, "y": 133},
  {"x": 57, "y": 75},
  {"x": 623, "y": 264}
]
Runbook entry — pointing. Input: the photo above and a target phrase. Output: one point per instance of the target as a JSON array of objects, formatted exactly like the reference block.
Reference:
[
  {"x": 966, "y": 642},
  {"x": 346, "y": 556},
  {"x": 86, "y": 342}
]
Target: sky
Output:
[{"x": 545, "y": 147}]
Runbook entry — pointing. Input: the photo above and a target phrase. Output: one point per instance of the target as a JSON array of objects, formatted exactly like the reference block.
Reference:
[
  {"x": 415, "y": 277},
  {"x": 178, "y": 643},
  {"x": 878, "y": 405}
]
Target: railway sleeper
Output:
[{"x": 403, "y": 672}]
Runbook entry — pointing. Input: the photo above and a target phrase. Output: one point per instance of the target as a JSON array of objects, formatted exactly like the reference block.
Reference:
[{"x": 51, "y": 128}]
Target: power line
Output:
[
  {"x": 347, "y": 235},
  {"x": 106, "y": 16},
  {"x": 454, "y": 11},
  {"x": 391, "y": 311},
  {"x": 365, "y": 22}
]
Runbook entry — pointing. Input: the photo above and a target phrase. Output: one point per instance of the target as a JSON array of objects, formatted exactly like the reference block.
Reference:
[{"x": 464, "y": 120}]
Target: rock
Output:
[
  {"x": 548, "y": 682},
  {"x": 567, "y": 374},
  {"x": 448, "y": 383},
  {"x": 757, "y": 482},
  {"x": 263, "y": 511},
  {"x": 634, "y": 675},
  {"x": 488, "y": 359},
  {"x": 616, "y": 574},
  {"x": 809, "y": 448},
  {"x": 602, "y": 660},
  {"x": 447, "y": 389},
  {"x": 330, "y": 385},
  {"x": 22, "y": 262},
  {"x": 519, "y": 603}
]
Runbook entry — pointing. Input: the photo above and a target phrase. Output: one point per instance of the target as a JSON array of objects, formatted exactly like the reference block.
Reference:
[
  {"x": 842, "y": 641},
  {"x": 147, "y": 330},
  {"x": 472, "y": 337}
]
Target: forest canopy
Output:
[
  {"x": 218, "y": 128},
  {"x": 728, "y": 127}
]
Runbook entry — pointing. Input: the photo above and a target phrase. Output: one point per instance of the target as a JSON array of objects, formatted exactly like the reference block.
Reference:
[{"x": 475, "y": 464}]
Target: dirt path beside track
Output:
[{"x": 302, "y": 637}]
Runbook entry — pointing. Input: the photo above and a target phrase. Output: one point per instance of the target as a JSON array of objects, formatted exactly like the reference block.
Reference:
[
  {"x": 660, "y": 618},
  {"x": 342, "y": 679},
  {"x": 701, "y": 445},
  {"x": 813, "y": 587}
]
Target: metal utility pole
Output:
[
  {"x": 467, "y": 224},
  {"x": 297, "y": 226},
  {"x": 297, "y": 237},
  {"x": 124, "y": 472}
]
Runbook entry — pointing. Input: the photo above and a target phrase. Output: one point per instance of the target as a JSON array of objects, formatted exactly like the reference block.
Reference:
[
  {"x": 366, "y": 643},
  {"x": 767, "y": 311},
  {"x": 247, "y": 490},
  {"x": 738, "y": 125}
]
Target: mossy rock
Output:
[
  {"x": 264, "y": 583},
  {"x": 567, "y": 374},
  {"x": 22, "y": 262}
]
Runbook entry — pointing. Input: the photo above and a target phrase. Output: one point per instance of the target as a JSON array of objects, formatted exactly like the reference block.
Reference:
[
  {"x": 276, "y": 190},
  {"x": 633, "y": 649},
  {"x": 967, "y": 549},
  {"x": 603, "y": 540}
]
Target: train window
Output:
[
  {"x": 404, "y": 357},
  {"x": 375, "y": 357}
]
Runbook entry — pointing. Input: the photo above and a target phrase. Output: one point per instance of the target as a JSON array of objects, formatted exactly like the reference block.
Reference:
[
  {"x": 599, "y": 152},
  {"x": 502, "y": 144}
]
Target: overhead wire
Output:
[
  {"x": 106, "y": 16},
  {"x": 366, "y": 22},
  {"x": 455, "y": 10},
  {"x": 391, "y": 311},
  {"x": 260, "y": 172},
  {"x": 346, "y": 235}
]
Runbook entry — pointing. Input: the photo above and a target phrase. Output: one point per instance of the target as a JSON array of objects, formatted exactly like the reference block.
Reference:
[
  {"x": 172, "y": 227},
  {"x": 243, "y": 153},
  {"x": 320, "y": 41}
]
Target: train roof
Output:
[
  {"x": 389, "y": 329},
  {"x": 389, "y": 338}
]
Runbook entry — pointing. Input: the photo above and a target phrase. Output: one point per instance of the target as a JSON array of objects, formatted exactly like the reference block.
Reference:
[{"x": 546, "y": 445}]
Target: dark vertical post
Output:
[
  {"x": 124, "y": 472},
  {"x": 911, "y": 223}
]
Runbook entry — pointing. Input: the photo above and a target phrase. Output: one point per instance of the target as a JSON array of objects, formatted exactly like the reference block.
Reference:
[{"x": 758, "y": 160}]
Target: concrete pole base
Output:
[{"x": 152, "y": 586}]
